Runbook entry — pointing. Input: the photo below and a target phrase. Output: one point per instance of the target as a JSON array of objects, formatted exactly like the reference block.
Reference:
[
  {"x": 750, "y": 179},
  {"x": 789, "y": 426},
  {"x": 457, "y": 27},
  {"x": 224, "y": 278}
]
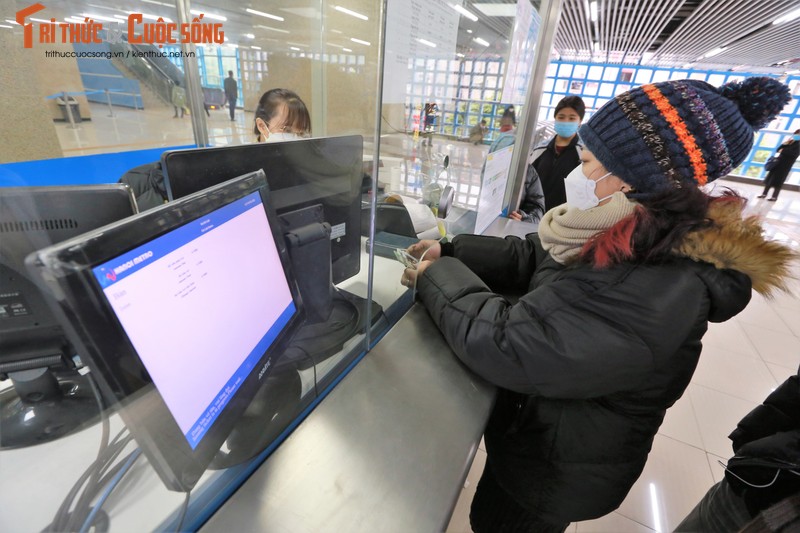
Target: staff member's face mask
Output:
[
  {"x": 581, "y": 190},
  {"x": 281, "y": 136}
]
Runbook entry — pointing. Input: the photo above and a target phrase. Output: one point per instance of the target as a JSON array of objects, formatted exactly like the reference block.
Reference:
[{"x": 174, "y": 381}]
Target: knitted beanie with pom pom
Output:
[{"x": 681, "y": 133}]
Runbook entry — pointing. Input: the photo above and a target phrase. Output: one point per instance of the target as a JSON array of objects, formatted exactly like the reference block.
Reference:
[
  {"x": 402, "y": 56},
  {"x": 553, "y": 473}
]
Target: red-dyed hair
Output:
[{"x": 657, "y": 226}]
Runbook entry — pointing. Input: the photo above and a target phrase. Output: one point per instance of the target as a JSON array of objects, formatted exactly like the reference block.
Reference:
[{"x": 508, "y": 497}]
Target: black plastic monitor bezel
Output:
[{"x": 91, "y": 323}]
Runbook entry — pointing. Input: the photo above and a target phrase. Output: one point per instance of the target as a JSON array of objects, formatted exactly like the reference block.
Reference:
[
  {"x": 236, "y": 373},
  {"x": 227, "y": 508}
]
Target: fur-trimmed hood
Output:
[{"x": 736, "y": 242}]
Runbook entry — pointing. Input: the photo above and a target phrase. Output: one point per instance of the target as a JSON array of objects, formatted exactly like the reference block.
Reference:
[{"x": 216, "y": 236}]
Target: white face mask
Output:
[
  {"x": 280, "y": 137},
  {"x": 580, "y": 190}
]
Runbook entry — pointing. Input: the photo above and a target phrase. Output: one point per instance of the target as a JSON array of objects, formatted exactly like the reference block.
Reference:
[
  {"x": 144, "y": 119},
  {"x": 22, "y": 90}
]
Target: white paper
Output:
[
  {"x": 520, "y": 56},
  {"x": 413, "y": 22},
  {"x": 493, "y": 188}
]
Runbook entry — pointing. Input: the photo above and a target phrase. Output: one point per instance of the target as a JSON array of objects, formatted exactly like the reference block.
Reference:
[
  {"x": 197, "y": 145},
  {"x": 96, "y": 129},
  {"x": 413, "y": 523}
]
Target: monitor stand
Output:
[
  {"x": 270, "y": 412},
  {"x": 44, "y": 405},
  {"x": 321, "y": 340}
]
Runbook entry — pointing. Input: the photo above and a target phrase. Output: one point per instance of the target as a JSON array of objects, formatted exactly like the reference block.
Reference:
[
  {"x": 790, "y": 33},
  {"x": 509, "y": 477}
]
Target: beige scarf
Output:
[{"x": 564, "y": 230}]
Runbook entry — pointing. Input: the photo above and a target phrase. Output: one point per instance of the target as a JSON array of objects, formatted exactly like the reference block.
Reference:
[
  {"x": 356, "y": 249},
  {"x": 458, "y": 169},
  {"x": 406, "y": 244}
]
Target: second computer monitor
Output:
[{"x": 326, "y": 171}]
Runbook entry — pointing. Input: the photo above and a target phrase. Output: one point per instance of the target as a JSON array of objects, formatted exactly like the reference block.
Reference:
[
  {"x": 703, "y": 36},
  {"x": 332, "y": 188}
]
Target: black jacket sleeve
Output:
[
  {"x": 504, "y": 264},
  {"x": 549, "y": 343}
]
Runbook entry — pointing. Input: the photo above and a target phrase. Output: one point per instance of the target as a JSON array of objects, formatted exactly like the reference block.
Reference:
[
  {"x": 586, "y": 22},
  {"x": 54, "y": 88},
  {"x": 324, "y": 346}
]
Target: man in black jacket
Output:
[
  {"x": 231, "y": 92},
  {"x": 764, "y": 470}
]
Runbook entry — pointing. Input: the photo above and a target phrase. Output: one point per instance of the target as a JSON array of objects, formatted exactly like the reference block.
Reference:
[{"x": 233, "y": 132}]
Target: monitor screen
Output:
[
  {"x": 54, "y": 400},
  {"x": 196, "y": 296},
  {"x": 326, "y": 171},
  {"x": 195, "y": 279}
]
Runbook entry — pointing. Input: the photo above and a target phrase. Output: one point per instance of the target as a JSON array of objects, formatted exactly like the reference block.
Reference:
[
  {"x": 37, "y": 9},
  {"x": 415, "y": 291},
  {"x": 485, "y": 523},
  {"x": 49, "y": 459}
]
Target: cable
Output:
[
  {"x": 105, "y": 455},
  {"x": 183, "y": 512},
  {"x": 131, "y": 459}
]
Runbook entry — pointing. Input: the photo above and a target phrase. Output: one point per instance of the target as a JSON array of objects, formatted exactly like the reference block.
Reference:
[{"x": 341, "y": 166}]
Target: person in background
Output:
[
  {"x": 763, "y": 472},
  {"x": 429, "y": 114},
  {"x": 178, "y": 99},
  {"x": 477, "y": 132},
  {"x": 552, "y": 161},
  {"x": 611, "y": 299},
  {"x": 509, "y": 119},
  {"x": 787, "y": 154},
  {"x": 231, "y": 92},
  {"x": 281, "y": 115}
]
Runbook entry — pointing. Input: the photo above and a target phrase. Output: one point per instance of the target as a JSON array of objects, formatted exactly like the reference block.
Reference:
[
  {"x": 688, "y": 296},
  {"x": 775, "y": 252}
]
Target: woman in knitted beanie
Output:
[{"x": 608, "y": 302}]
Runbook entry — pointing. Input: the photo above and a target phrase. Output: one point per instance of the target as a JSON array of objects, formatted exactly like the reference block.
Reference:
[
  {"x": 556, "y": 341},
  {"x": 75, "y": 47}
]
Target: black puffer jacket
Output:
[{"x": 587, "y": 360}]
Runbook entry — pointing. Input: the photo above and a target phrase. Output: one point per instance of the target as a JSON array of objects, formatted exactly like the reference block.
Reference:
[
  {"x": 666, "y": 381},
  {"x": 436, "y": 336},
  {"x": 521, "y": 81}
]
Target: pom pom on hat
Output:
[
  {"x": 679, "y": 133},
  {"x": 759, "y": 99}
]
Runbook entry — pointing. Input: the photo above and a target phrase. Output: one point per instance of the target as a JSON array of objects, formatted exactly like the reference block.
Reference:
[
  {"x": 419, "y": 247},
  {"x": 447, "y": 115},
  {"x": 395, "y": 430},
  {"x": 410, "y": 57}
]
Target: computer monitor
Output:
[
  {"x": 310, "y": 179},
  {"x": 301, "y": 173},
  {"x": 49, "y": 399},
  {"x": 182, "y": 313}
]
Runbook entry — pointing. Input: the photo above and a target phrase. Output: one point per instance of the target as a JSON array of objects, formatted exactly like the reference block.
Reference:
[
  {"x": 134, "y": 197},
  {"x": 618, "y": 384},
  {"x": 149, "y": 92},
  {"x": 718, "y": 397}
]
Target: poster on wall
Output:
[
  {"x": 521, "y": 54},
  {"x": 493, "y": 188},
  {"x": 419, "y": 29}
]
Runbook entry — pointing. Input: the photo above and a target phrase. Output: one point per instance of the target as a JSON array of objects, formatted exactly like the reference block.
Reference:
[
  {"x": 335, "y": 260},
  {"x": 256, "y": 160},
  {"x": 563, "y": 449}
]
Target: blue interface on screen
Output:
[{"x": 201, "y": 305}]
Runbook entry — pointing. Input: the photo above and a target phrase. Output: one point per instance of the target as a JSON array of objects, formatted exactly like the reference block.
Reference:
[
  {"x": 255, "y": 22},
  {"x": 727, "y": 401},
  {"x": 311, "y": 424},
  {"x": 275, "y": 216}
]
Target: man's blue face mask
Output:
[{"x": 566, "y": 129}]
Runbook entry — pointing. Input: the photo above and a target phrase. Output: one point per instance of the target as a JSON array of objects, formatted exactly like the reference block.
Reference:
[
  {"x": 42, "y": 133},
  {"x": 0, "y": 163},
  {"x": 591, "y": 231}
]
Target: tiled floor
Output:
[{"x": 743, "y": 360}]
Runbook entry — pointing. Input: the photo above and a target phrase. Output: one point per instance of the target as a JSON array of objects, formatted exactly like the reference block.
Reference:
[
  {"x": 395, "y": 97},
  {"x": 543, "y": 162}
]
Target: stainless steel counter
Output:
[{"x": 387, "y": 450}]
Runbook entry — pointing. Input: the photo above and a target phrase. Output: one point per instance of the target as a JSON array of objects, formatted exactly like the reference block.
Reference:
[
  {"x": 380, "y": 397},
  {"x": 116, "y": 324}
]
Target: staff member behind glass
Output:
[
  {"x": 617, "y": 289},
  {"x": 281, "y": 115}
]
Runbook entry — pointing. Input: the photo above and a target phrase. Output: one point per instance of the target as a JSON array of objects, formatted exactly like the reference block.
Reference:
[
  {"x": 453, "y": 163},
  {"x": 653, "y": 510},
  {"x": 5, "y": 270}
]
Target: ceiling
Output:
[
  {"x": 648, "y": 32},
  {"x": 671, "y": 32}
]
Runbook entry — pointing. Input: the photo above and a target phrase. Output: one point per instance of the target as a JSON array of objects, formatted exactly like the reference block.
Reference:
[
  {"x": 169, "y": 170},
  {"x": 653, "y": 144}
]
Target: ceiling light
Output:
[
  {"x": 790, "y": 72},
  {"x": 788, "y": 17},
  {"x": 249, "y": 35},
  {"x": 272, "y": 29},
  {"x": 593, "y": 11},
  {"x": 459, "y": 54},
  {"x": 426, "y": 43},
  {"x": 346, "y": 11},
  {"x": 480, "y": 41},
  {"x": 464, "y": 12},
  {"x": 294, "y": 48},
  {"x": 497, "y": 10},
  {"x": 121, "y": 17},
  {"x": 346, "y": 50},
  {"x": 714, "y": 52},
  {"x": 4, "y": 26},
  {"x": 158, "y": 3},
  {"x": 359, "y": 41},
  {"x": 688, "y": 65},
  {"x": 98, "y": 17},
  {"x": 144, "y": 16},
  {"x": 469, "y": 31},
  {"x": 262, "y": 14},
  {"x": 12, "y": 22},
  {"x": 254, "y": 47},
  {"x": 108, "y": 8},
  {"x": 336, "y": 31},
  {"x": 208, "y": 15}
]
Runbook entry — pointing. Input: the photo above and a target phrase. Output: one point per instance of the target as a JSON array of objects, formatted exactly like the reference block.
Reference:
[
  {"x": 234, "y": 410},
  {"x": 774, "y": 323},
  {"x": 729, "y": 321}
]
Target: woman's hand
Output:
[
  {"x": 515, "y": 215},
  {"x": 433, "y": 247},
  {"x": 410, "y": 275}
]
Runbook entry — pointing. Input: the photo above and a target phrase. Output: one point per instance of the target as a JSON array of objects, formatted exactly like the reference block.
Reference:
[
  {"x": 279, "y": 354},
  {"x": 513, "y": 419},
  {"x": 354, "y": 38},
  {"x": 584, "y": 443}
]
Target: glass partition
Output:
[
  {"x": 455, "y": 87},
  {"x": 110, "y": 122}
]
